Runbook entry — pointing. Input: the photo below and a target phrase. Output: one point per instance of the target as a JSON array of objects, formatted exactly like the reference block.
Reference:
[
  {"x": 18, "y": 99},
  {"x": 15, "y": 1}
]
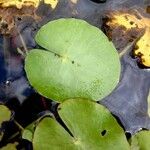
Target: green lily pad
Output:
[
  {"x": 5, "y": 114},
  {"x": 79, "y": 61},
  {"x": 141, "y": 141},
  {"x": 91, "y": 125}
]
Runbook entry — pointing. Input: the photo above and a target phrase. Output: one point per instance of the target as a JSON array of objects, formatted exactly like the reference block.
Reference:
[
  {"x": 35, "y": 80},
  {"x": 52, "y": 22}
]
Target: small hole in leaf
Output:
[{"x": 103, "y": 133}]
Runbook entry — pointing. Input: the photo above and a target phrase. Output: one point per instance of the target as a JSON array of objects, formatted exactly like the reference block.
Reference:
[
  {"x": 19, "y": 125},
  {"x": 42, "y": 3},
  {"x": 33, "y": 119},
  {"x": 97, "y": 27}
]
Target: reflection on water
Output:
[{"x": 13, "y": 83}]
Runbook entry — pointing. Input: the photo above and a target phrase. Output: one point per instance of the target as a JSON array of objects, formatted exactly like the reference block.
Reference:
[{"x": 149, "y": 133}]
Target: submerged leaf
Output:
[
  {"x": 79, "y": 61},
  {"x": 92, "y": 127}
]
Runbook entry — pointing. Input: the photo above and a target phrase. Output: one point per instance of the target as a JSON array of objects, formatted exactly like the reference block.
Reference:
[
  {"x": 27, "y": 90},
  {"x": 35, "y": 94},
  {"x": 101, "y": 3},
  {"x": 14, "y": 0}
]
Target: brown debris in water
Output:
[
  {"x": 19, "y": 4},
  {"x": 124, "y": 27},
  {"x": 8, "y": 17},
  {"x": 13, "y": 10},
  {"x": 148, "y": 9}
]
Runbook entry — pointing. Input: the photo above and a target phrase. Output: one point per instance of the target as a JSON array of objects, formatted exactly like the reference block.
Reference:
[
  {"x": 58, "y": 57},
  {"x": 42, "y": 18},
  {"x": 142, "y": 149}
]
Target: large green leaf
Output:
[
  {"x": 141, "y": 141},
  {"x": 79, "y": 61},
  {"x": 92, "y": 127}
]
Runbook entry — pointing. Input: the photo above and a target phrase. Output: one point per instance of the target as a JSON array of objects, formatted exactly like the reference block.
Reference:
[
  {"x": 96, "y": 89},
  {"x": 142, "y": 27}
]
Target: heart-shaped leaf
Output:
[
  {"x": 141, "y": 141},
  {"x": 91, "y": 125},
  {"x": 79, "y": 61}
]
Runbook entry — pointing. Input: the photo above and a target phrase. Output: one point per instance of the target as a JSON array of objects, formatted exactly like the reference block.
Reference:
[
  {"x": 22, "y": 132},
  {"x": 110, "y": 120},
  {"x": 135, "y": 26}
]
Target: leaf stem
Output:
[{"x": 20, "y": 127}]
